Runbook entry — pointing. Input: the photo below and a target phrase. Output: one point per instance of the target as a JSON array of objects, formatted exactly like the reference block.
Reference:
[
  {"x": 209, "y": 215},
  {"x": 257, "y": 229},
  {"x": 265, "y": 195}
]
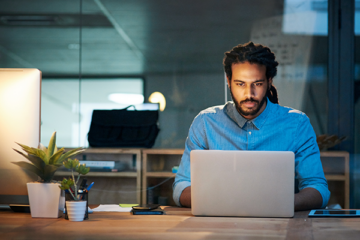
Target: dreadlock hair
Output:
[{"x": 253, "y": 53}]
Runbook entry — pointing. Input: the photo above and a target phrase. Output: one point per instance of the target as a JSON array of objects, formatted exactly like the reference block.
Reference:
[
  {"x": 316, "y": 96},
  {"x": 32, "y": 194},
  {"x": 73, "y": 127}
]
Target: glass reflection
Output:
[{"x": 61, "y": 106}]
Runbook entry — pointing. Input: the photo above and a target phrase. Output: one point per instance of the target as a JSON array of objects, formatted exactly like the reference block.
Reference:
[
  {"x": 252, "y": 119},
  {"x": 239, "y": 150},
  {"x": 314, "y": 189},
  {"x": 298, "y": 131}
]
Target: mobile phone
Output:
[
  {"x": 335, "y": 213},
  {"x": 147, "y": 212},
  {"x": 146, "y": 206}
]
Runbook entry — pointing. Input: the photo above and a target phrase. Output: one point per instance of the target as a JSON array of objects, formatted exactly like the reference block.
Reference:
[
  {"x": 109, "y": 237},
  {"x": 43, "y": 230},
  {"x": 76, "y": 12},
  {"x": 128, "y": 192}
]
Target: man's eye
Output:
[
  {"x": 241, "y": 84},
  {"x": 258, "y": 84}
]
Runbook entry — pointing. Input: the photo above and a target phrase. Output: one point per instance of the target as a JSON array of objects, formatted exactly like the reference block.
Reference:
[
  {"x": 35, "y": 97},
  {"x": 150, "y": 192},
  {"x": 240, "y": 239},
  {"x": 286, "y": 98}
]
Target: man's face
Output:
[{"x": 248, "y": 87}]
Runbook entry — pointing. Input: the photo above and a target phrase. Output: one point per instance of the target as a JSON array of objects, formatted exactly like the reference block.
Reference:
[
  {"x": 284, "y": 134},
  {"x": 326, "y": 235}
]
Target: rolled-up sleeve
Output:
[
  {"x": 196, "y": 140},
  {"x": 308, "y": 167}
]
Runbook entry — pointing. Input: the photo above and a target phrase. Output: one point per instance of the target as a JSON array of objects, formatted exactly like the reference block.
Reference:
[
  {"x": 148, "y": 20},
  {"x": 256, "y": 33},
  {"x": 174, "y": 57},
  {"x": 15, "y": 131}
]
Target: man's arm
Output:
[
  {"x": 185, "y": 197},
  {"x": 308, "y": 169},
  {"x": 308, "y": 198},
  {"x": 195, "y": 140}
]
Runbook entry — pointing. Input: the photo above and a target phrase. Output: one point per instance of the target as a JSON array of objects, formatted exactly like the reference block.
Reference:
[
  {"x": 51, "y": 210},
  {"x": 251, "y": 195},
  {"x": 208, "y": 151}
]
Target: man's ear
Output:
[
  {"x": 270, "y": 81},
  {"x": 228, "y": 81}
]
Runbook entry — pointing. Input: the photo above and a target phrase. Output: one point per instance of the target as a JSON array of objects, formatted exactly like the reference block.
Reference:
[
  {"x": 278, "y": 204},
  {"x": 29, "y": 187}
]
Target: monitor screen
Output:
[{"x": 20, "y": 97}]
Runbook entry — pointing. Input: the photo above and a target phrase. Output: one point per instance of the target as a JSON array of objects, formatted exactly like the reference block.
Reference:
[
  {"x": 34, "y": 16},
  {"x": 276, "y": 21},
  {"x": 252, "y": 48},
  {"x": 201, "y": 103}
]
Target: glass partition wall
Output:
[
  {"x": 45, "y": 35},
  {"x": 89, "y": 49},
  {"x": 67, "y": 104},
  {"x": 176, "y": 49}
]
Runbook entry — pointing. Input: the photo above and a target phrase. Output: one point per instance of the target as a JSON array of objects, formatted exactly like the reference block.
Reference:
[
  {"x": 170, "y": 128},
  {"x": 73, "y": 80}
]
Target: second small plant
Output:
[{"x": 71, "y": 184}]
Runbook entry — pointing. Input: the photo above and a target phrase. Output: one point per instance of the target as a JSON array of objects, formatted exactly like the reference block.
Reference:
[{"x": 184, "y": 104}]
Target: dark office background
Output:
[{"x": 177, "y": 47}]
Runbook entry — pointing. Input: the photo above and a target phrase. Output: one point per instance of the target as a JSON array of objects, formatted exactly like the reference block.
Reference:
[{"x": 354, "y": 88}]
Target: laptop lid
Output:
[{"x": 242, "y": 183}]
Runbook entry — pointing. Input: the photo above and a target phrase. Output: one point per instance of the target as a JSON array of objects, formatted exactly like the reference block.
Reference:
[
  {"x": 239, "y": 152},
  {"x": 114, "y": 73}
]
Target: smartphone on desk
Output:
[{"x": 146, "y": 207}]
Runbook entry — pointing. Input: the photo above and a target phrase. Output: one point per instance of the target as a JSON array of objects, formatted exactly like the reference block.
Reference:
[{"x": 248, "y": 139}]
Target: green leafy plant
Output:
[
  {"x": 45, "y": 161},
  {"x": 70, "y": 183}
]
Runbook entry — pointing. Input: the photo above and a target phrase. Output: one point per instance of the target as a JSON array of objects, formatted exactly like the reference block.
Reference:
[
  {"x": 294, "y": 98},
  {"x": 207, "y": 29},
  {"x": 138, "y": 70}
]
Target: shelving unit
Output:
[
  {"x": 157, "y": 173},
  {"x": 119, "y": 185},
  {"x": 336, "y": 169},
  {"x": 154, "y": 177}
]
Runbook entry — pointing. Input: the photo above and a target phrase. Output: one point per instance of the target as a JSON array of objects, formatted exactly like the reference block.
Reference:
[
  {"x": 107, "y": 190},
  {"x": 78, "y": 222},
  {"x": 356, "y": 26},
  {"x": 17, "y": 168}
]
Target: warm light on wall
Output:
[{"x": 158, "y": 97}]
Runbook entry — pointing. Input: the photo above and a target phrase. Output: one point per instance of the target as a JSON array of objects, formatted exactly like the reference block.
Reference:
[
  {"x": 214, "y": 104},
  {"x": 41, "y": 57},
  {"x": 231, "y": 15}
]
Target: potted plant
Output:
[
  {"x": 76, "y": 208},
  {"x": 45, "y": 198}
]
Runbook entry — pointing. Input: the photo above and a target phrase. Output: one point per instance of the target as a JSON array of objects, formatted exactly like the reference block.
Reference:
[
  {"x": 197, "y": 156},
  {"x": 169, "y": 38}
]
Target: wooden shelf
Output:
[
  {"x": 110, "y": 184},
  {"x": 112, "y": 150},
  {"x": 155, "y": 151},
  {"x": 154, "y": 165},
  {"x": 160, "y": 174},
  {"x": 336, "y": 170},
  {"x": 335, "y": 177},
  {"x": 102, "y": 174},
  {"x": 157, "y": 164}
]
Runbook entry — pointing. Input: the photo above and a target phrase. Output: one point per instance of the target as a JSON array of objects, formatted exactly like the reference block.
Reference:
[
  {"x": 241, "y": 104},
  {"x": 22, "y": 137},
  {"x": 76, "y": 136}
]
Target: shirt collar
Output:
[{"x": 230, "y": 110}]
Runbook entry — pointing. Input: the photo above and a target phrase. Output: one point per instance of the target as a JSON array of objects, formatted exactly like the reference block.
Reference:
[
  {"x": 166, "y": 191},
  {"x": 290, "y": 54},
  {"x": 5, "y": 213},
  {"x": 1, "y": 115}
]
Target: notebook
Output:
[{"x": 242, "y": 183}]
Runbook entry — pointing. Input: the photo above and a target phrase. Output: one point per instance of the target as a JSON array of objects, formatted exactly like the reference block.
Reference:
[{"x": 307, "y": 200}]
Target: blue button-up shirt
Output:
[{"x": 277, "y": 128}]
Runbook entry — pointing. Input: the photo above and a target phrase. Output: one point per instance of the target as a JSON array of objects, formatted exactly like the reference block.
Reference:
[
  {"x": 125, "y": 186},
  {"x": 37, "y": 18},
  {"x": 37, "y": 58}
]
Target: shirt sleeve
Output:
[
  {"x": 196, "y": 140},
  {"x": 308, "y": 167}
]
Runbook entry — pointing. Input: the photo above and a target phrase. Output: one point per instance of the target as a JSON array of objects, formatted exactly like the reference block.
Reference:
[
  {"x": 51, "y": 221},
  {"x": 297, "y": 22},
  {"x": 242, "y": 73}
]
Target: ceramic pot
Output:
[
  {"x": 76, "y": 210},
  {"x": 46, "y": 200}
]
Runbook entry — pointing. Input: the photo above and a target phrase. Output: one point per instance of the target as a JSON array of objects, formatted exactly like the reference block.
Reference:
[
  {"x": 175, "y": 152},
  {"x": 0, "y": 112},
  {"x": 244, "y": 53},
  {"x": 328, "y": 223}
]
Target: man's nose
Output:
[{"x": 249, "y": 92}]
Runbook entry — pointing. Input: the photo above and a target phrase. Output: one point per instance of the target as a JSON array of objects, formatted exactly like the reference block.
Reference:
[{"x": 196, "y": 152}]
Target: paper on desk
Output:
[{"x": 111, "y": 208}]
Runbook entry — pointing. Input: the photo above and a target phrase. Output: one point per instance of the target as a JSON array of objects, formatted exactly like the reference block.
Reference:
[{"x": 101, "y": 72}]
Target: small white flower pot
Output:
[
  {"x": 46, "y": 200},
  {"x": 76, "y": 210}
]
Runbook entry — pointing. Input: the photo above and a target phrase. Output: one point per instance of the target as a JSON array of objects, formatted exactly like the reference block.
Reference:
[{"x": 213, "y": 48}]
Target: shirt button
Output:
[{"x": 250, "y": 133}]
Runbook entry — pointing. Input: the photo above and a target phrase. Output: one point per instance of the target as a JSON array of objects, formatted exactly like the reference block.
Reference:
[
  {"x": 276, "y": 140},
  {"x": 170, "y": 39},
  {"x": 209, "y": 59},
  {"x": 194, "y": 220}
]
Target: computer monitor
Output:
[{"x": 20, "y": 100}]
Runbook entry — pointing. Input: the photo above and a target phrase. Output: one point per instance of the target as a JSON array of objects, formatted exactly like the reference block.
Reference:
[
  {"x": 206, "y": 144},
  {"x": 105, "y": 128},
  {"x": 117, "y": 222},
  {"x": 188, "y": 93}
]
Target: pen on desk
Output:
[{"x": 89, "y": 187}]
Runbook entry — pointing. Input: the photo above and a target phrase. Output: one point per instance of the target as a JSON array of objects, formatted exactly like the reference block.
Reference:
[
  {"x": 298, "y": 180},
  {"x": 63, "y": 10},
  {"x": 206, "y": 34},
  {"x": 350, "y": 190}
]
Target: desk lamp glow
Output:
[{"x": 158, "y": 97}]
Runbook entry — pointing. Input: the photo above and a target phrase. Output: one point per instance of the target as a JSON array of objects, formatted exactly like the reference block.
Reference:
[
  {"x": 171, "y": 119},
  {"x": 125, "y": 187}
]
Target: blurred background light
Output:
[{"x": 158, "y": 97}]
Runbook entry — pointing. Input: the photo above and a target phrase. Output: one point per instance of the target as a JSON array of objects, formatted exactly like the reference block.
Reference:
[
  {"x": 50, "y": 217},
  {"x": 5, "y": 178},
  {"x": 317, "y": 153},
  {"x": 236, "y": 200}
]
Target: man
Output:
[{"x": 255, "y": 121}]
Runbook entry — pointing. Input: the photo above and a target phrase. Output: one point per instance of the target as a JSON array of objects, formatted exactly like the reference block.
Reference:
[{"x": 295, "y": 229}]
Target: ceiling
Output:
[{"x": 125, "y": 38}]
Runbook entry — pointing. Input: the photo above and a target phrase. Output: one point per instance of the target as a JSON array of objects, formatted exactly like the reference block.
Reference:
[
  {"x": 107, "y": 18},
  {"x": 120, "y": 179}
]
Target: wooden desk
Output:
[{"x": 178, "y": 223}]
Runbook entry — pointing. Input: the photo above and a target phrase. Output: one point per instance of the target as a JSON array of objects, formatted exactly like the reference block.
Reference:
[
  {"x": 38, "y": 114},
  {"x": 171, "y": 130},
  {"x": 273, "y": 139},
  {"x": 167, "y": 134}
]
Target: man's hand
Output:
[
  {"x": 308, "y": 198},
  {"x": 185, "y": 197}
]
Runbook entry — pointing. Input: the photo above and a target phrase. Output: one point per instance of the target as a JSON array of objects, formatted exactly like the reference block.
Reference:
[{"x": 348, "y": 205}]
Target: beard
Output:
[{"x": 244, "y": 111}]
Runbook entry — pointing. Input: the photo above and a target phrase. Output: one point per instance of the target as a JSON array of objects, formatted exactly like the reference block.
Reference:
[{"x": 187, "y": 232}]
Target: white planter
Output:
[
  {"x": 46, "y": 200},
  {"x": 76, "y": 210}
]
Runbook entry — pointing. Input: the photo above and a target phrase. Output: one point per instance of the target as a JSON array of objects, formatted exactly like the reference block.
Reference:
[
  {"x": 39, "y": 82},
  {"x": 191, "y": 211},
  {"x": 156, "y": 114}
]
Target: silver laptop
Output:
[{"x": 242, "y": 183}]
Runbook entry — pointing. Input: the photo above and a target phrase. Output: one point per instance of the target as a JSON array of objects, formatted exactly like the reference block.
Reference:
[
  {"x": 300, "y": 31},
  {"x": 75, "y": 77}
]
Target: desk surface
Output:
[{"x": 178, "y": 223}]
